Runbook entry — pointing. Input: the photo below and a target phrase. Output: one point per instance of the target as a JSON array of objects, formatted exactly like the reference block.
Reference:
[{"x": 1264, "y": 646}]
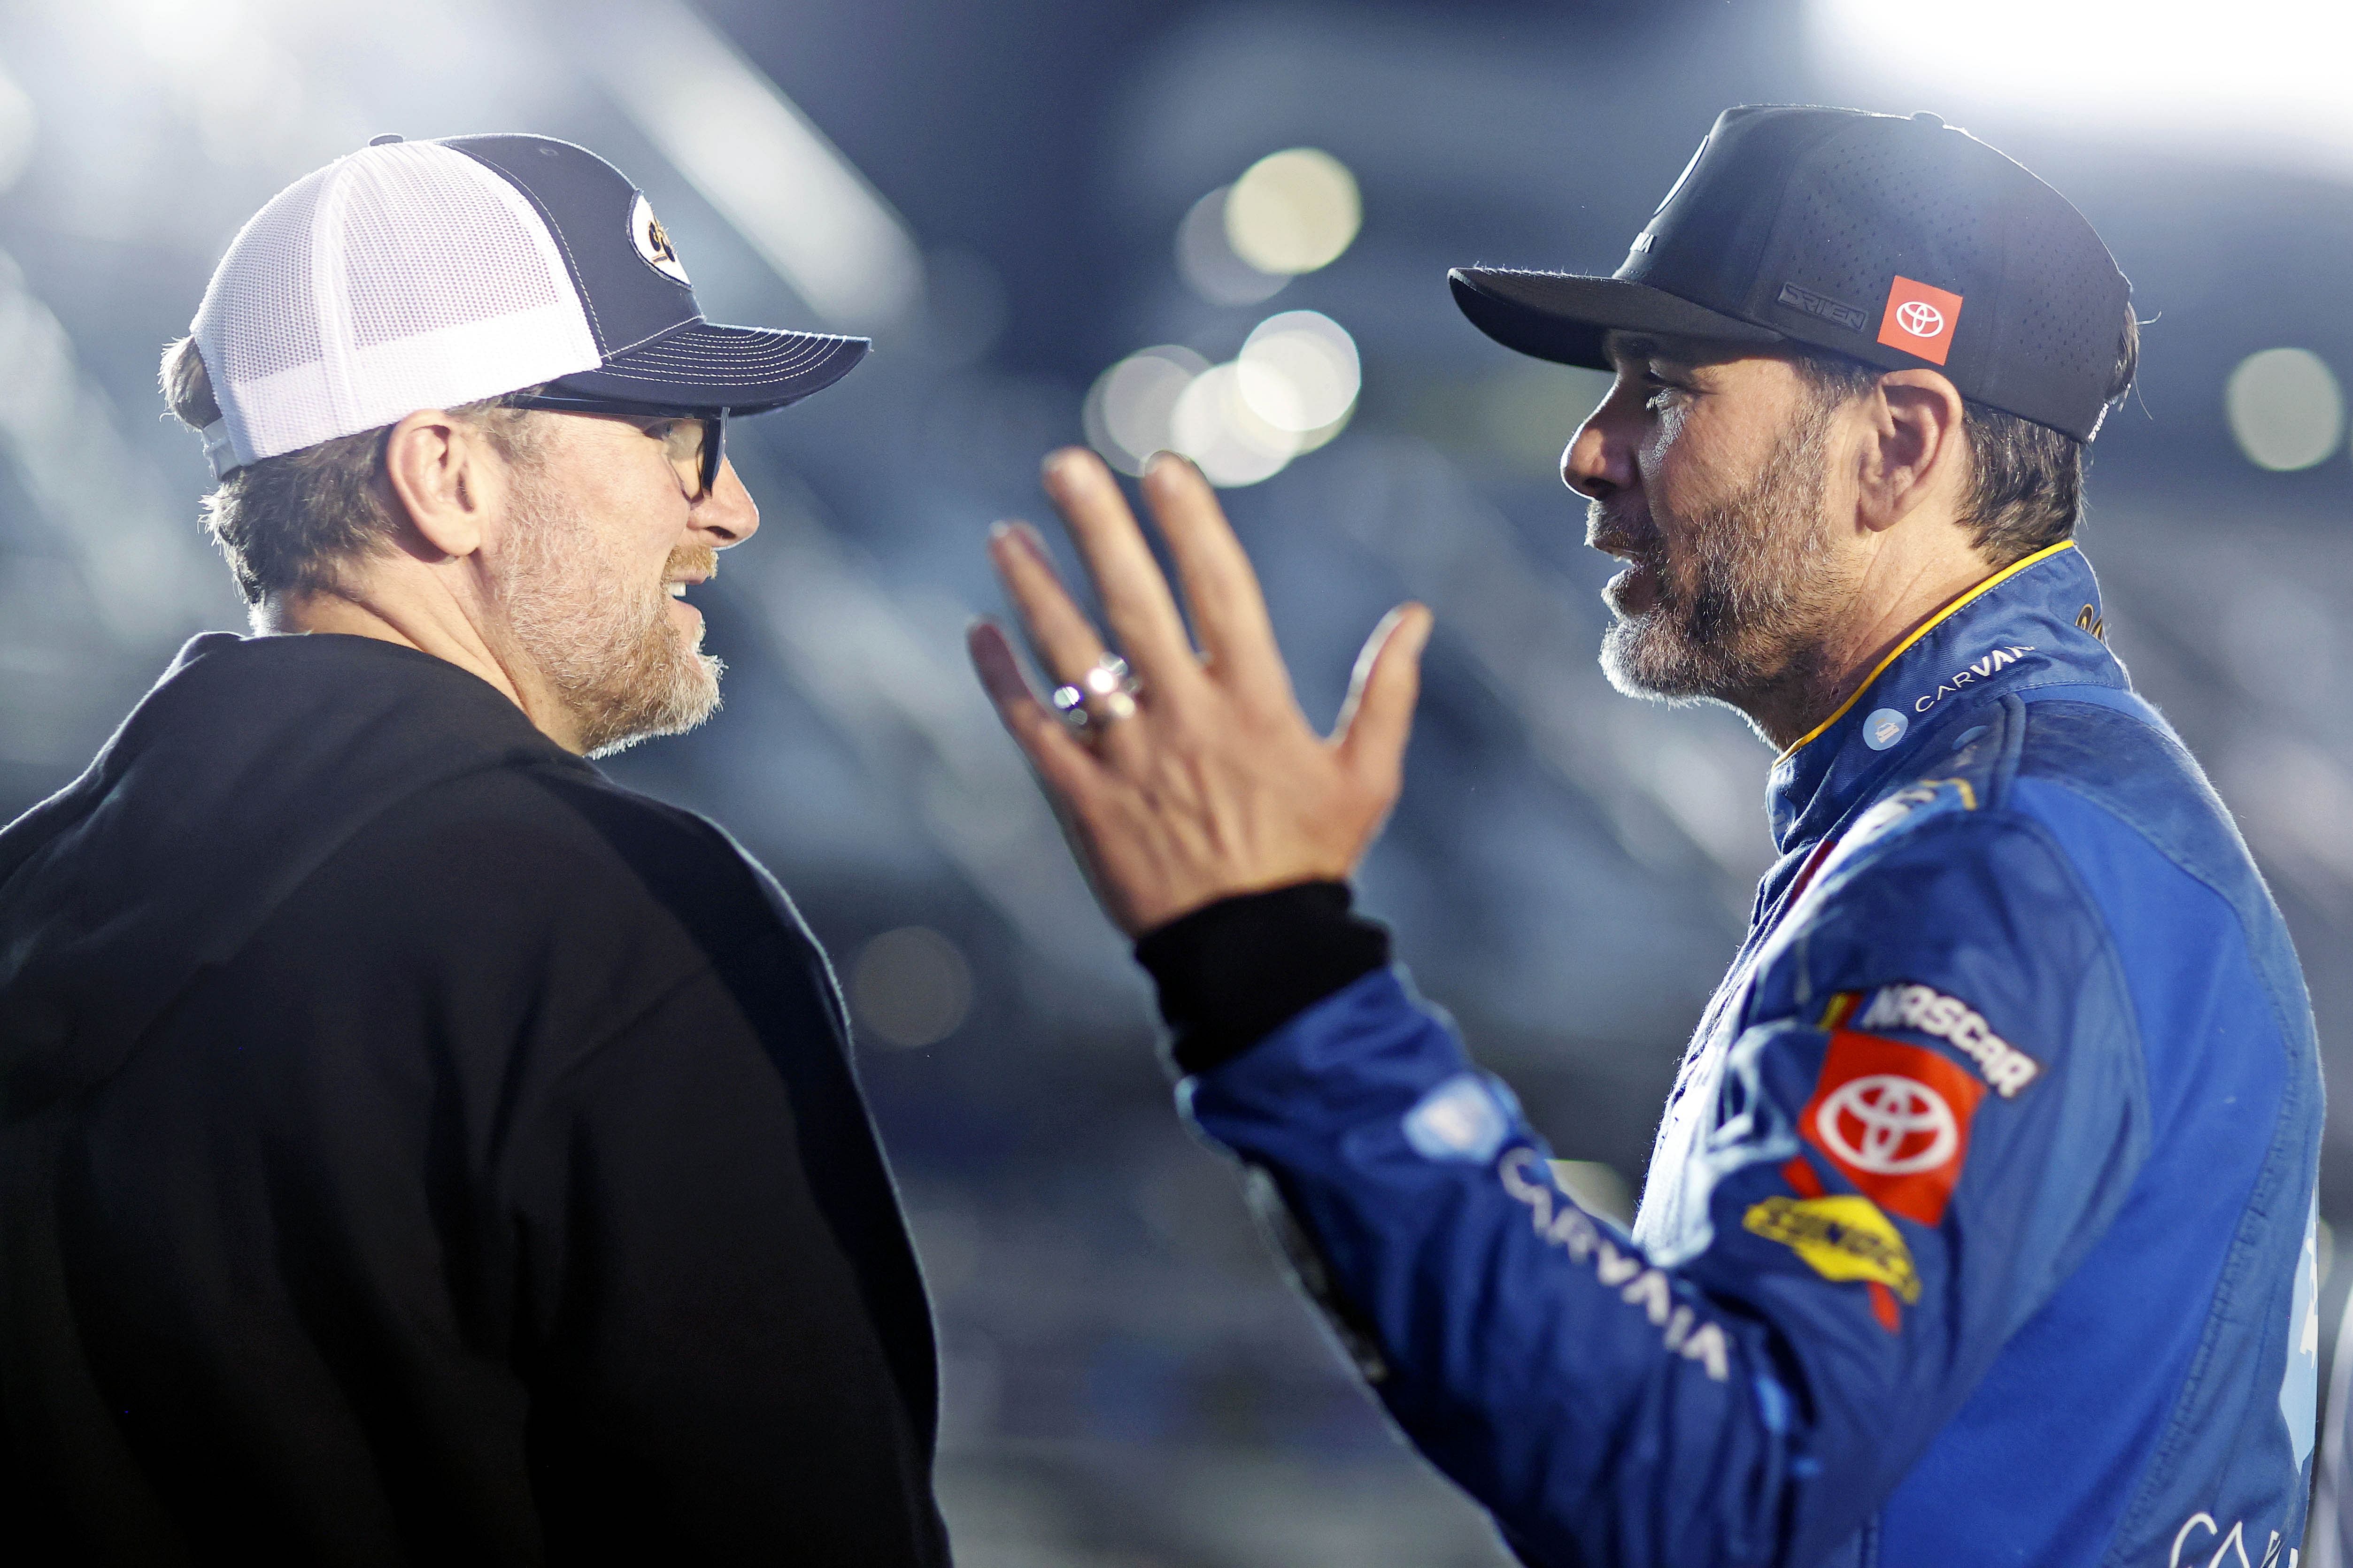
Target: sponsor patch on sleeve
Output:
[
  {"x": 1841, "y": 1237},
  {"x": 1637, "y": 1282},
  {"x": 1948, "y": 1018},
  {"x": 1894, "y": 1119},
  {"x": 1462, "y": 1118}
]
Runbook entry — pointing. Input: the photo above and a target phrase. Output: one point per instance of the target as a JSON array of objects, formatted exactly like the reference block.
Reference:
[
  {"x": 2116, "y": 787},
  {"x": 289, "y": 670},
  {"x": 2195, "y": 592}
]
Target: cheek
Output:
[
  {"x": 641, "y": 517},
  {"x": 1679, "y": 468},
  {"x": 617, "y": 481},
  {"x": 1698, "y": 457}
]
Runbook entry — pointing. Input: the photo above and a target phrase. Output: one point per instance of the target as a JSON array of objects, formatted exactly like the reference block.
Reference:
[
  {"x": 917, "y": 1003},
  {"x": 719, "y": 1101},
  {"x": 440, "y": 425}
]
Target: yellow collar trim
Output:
[{"x": 1933, "y": 621}]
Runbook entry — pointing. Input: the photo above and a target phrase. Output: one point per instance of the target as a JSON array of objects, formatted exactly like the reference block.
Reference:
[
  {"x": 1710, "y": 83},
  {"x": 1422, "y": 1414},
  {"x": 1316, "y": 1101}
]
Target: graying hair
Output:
[
  {"x": 291, "y": 523},
  {"x": 2026, "y": 480}
]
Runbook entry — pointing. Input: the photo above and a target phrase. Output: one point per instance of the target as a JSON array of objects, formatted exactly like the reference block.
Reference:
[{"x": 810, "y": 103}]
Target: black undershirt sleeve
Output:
[{"x": 1232, "y": 972}]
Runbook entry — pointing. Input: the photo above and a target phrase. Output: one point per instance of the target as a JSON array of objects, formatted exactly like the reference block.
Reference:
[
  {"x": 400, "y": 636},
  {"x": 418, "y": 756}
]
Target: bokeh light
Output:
[
  {"x": 1214, "y": 425},
  {"x": 1205, "y": 259},
  {"x": 2286, "y": 408},
  {"x": 910, "y": 987},
  {"x": 1299, "y": 371},
  {"x": 1128, "y": 411},
  {"x": 1290, "y": 390},
  {"x": 1293, "y": 211}
]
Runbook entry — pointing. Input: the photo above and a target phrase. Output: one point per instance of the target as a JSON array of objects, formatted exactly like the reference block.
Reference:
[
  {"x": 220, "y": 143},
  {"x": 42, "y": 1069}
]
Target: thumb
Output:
[{"x": 1379, "y": 715}]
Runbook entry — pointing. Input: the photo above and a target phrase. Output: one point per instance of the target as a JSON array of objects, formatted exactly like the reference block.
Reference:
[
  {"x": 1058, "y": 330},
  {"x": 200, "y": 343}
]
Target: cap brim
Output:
[
  {"x": 1563, "y": 318},
  {"x": 743, "y": 370}
]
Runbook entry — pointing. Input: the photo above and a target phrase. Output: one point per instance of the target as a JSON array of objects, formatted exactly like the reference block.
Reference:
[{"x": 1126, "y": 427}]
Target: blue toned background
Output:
[{"x": 1066, "y": 222}]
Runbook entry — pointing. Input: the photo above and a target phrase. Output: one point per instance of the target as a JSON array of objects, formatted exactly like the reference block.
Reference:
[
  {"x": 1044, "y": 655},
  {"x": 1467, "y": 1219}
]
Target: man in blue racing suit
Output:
[{"x": 1979, "y": 1225}]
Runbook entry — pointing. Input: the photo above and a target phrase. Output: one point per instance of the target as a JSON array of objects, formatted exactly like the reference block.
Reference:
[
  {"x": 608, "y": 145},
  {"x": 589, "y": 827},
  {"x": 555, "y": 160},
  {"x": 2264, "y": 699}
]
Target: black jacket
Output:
[{"x": 415, "y": 1148}]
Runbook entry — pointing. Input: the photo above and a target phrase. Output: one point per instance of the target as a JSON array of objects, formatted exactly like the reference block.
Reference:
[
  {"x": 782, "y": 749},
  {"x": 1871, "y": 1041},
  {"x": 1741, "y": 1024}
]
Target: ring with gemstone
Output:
[{"x": 1108, "y": 685}]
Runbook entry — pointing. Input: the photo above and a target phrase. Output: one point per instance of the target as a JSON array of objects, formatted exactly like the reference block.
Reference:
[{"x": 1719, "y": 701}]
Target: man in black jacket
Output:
[{"x": 413, "y": 1147}]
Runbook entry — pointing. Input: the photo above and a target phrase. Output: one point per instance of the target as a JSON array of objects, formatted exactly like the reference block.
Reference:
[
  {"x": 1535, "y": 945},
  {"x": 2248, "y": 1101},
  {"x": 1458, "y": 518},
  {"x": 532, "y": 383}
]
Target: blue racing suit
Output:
[{"x": 1979, "y": 1225}]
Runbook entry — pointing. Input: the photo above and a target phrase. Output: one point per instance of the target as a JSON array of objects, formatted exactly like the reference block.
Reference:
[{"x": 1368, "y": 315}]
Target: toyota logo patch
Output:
[
  {"x": 1893, "y": 1118},
  {"x": 1920, "y": 319},
  {"x": 1888, "y": 1125}
]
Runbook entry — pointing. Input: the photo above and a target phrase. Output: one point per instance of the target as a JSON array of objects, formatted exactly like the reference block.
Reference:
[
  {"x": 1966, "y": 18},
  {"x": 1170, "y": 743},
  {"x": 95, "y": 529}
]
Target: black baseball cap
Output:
[{"x": 1899, "y": 242}]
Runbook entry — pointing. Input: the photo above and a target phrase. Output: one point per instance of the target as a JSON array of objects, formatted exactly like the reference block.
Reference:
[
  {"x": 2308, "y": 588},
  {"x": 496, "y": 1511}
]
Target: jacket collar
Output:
[{"x": 2036, "y": 622}]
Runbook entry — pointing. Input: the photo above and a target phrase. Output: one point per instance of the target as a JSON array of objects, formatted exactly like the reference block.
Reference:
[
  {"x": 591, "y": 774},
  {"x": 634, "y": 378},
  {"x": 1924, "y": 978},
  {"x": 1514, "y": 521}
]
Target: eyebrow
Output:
[{"x": 1632, "y": 347}]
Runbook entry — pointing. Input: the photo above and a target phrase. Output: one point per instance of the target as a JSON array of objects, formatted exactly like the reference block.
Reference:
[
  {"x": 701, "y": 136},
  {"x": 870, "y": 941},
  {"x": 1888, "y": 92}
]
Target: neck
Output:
[
  {"x": 1893, "y": 598},
  {"x": 429, "y": 625}
]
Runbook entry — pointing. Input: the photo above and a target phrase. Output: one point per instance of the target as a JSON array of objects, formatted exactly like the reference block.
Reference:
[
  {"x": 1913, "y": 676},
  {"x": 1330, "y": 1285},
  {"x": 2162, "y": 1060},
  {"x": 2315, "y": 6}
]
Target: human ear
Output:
[
  {"x": 439, "y": 471},
  {"x": 1916, "y": 449}
]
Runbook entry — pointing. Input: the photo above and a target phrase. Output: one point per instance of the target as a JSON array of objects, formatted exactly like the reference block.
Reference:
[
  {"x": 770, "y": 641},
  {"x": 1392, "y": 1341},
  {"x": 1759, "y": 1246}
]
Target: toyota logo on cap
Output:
[{"x": 1920, "y": 319}]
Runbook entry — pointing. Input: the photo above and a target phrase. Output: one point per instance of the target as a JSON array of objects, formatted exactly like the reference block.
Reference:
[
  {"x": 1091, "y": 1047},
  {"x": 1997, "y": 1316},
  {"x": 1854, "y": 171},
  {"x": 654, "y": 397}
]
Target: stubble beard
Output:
[
  {"x": 1745, "y": 597},
  {"x": 605, "y": 643}
]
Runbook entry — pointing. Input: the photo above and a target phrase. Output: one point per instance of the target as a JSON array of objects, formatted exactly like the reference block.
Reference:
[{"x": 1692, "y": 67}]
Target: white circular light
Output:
[
  {"x": 911, "y": 987},
  {"x": 1299, "y": 371},
  {"x": 1217, "y": 430},
  {"x": 1206, "y": 262},
  {"x": 1294, "y": 211},
  {"x": 1128, "y": 409},
  {"x": 1311, "y": 439},
  {"x": 2286, "y": 408}
]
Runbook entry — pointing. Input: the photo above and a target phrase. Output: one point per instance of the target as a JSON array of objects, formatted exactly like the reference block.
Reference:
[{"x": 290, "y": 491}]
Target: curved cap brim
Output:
[
  {"x": 743, "y": 370},
  {"x": 1563, "y": 318}
]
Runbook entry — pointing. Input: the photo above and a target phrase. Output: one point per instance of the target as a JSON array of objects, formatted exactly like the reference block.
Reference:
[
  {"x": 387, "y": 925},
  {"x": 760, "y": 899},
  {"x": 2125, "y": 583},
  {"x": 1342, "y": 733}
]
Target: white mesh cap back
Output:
[{"x": 401, "y": 276}]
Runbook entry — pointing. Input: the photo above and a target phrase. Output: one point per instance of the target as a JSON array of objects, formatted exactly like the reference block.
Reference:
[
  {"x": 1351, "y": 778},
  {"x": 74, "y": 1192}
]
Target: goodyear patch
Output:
[{"x": 1841, "y": 1238}]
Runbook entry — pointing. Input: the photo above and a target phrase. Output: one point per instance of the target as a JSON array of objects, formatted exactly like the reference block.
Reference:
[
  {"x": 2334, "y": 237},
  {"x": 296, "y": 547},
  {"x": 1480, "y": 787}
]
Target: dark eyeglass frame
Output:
[{"x": 712, "y": 420}]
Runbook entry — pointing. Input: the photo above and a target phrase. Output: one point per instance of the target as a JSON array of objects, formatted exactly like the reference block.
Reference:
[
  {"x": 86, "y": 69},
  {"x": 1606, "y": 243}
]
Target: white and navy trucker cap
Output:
[{"x": 426, "y": 274}]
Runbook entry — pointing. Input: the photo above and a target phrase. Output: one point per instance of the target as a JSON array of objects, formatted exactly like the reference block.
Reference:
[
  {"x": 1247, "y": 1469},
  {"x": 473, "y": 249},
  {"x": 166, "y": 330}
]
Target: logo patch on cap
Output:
[
  {"x": 1920, "y": 319},
  {"x": 653, "y": 243}
]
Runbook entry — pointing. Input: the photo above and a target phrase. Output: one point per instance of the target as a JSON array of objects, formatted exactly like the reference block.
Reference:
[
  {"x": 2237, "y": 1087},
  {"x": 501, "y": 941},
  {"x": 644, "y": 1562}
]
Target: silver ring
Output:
[{"x": 1108, "y": 684}]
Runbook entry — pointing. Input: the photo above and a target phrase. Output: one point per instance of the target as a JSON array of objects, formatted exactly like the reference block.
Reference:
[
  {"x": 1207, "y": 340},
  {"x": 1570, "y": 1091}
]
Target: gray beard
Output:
[
  {"x": 604, "y": 644},
  {"x": 1747, "y": 596}
]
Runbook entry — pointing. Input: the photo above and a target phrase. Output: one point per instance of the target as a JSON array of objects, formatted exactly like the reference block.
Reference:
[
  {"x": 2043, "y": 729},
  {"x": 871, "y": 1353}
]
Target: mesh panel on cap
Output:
[
  {"x": 259, "y": 317},
  {"x": 402, "y": 276},
  {"x": 423, "y": 251}
]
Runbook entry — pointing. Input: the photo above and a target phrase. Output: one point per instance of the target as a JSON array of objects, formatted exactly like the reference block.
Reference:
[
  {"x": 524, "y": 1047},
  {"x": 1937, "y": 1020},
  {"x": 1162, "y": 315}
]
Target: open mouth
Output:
[{"x": 1634, "y": 591}]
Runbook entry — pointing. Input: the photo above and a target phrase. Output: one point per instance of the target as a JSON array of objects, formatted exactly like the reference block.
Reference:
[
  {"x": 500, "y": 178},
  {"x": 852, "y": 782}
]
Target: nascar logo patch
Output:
[{"x": 1960, "y": 1026}]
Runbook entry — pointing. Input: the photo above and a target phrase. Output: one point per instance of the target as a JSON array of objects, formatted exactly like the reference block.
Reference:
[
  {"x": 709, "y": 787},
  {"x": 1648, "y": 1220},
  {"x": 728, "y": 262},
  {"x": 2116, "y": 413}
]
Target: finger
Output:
[
  {"x": 1221, "y": 588},
  {"x": 1062, "y": 762},
  {"x": 1377, "y": 718},
  {"x": 1135, "y": 597},
  {"x": 1066, "y": 640}
]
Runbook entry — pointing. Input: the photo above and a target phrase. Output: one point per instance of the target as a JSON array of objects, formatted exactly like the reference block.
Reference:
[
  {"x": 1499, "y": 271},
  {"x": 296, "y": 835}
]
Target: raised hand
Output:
[{"x": 1193, "y": 776}]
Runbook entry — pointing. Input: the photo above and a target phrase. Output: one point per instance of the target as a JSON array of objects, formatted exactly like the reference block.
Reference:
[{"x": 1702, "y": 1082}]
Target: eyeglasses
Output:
[{"x": 693, "y": 439}]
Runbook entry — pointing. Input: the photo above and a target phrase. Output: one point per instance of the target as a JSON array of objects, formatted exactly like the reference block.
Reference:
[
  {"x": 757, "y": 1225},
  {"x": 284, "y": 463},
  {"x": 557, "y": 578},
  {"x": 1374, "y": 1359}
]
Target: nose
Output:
[
  {"x": 727, "y": 516},
  {"x": 1599, "y": 459}
]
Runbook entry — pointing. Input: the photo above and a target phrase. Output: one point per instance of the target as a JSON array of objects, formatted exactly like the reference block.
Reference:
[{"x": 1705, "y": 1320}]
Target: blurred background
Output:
[{"x": 1223, "y": 227}]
